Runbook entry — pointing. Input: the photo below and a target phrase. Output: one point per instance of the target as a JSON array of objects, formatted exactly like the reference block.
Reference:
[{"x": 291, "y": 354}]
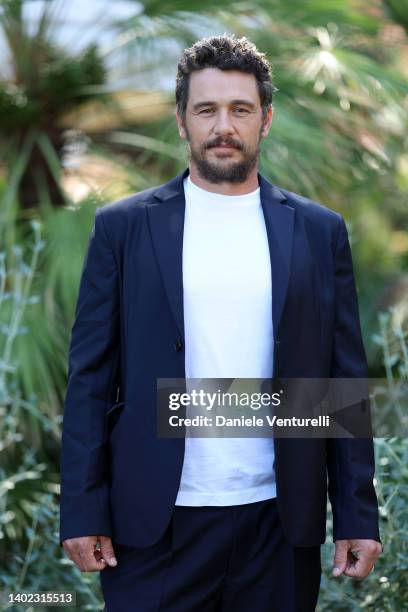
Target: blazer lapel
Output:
[
  {"x": 167, "y": 227},
  {"x": 279, "y": 221},
  {"x": 166, "y": 219}
]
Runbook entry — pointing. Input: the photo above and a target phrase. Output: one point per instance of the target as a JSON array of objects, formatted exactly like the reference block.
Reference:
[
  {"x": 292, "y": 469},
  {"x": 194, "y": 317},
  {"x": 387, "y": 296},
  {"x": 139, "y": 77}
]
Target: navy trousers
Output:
[{"x": 216, "y": 559}]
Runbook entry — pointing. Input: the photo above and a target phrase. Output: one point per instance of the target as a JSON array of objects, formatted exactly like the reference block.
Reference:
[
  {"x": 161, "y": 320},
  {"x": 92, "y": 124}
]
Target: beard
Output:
[{"x": 225, "y": 168}]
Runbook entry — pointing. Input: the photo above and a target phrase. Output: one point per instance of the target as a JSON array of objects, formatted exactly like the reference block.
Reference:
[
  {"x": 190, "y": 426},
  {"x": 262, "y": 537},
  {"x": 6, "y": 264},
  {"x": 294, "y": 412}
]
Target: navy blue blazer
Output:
[{"x": 118, "y": 478}]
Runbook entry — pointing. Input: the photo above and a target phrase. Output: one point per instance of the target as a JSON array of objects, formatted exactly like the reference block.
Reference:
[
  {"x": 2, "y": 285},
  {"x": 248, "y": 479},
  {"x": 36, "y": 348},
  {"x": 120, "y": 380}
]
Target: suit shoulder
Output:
[
  {"x": 116, "y": 216},
  {"x": 311, "y": 209},
  {"x": 133, "y": 202},
  {"x": 324, "y": 224}
]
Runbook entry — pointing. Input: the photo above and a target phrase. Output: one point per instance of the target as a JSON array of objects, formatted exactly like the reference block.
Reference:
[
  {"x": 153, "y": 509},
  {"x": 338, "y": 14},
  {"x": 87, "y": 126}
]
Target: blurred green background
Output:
[{"x": 87, "y": 116}]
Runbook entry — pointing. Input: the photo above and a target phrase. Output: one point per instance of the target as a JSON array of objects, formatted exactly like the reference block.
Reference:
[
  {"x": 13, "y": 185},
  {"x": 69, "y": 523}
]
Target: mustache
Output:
[{"x": 221, "y": 141}]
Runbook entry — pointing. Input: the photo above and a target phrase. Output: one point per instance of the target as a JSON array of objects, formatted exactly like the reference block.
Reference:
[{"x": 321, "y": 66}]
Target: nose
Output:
[{"x": 223, "y": 124}]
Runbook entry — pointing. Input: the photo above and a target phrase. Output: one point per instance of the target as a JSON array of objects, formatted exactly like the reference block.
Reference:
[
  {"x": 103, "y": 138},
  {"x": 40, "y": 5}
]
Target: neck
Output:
[{"x": 225, "y": 187}]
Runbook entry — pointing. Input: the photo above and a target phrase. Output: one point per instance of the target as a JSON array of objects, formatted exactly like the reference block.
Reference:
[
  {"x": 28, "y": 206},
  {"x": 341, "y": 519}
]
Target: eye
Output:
[
  {"x": 241, "y": 111},
  {"x": 205, "y": 111}
]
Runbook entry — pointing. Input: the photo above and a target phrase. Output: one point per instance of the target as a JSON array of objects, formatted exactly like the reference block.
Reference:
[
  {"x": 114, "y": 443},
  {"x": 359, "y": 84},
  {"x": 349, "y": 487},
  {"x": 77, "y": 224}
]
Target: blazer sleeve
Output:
[
  {"x": 92, "y": 378},
  {"x": 350, "y": 461}
]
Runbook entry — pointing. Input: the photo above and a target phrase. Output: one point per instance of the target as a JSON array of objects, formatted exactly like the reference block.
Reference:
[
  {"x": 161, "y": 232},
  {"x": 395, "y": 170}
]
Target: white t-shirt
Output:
[{"x": 227, "y": 290}]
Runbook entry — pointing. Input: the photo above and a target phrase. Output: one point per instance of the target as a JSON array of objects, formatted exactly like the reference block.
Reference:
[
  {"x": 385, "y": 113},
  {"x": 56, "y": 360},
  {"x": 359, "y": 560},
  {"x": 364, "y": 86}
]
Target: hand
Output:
[
  {"x": 83, "y": 553},
  {"x": 355, "y": 558}
]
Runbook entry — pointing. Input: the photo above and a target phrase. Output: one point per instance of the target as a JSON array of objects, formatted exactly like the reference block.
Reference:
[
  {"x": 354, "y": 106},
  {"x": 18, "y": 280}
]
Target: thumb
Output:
[
  {"x": 340, "y": 557},
  {"x": 107, "y": 551}
]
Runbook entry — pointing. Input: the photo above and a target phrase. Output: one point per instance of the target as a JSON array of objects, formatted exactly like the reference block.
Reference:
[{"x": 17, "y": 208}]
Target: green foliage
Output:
[
  {"x": 41, "y": 354},
  {"x": 61, "y": 85},
  {"x": 386, "y": 587},
  {"x": 31, "y": 558},
  {"x": 37, "y": 562},
  {"x": 46, "y": 82},
  {"x": 398, "y": 10}
]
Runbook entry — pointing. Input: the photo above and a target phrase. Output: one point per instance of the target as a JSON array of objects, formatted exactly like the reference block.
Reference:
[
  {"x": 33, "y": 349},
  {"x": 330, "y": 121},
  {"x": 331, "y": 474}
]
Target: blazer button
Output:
[{"x": 178, "y": 345}]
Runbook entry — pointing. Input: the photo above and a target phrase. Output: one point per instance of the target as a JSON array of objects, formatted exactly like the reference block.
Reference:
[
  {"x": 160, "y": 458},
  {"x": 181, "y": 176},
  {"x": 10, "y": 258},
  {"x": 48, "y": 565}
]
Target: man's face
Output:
[{"x": 223, "y": 124}]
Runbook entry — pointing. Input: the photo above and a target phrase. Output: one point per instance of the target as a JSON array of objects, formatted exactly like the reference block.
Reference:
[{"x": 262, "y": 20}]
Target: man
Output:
[{"x": 215, "y": 274}]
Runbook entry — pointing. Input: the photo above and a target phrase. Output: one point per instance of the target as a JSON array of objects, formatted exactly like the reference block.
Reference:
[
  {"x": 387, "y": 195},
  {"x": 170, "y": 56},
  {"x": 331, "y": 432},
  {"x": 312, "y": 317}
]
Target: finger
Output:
[
  {"x": 89, "y": 563},
  {"x": 98, "y": 556},
  {"x": 340, "y": 557},
  {"x": 107, "y": 551},
  {"x": 352, "y": 559},
  {"x": 88, "y": 560},
  {"x": 360, "y": 569}
]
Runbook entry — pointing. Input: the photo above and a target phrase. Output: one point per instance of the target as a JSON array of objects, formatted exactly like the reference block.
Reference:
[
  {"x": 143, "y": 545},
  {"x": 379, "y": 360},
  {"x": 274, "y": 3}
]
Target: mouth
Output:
[{"x": 223, "y": 147}]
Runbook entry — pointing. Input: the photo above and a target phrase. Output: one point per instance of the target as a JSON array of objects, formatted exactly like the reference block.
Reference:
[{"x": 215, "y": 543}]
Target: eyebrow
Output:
[{"x": 212, "y": 103}]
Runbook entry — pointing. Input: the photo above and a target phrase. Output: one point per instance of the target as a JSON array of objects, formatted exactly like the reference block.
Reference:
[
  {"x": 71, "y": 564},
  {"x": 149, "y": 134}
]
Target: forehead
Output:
[{"x": 222, "y": 85}]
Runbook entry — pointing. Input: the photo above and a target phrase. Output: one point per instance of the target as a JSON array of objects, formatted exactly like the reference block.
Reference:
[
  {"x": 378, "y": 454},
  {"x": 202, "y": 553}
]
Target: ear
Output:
[
  {"x": 267, "y": 122},
  {"x": 180, "y": 124}
]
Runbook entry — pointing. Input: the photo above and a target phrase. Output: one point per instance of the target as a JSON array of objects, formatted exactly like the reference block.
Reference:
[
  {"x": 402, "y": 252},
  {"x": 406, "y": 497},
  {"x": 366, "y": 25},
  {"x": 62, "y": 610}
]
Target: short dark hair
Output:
[{"x": 225, "y": 52}]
